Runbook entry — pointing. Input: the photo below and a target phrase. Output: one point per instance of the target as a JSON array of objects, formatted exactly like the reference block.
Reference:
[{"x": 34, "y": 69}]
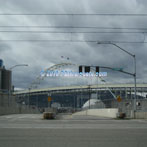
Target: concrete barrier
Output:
[{"x": 111, "y": 113}]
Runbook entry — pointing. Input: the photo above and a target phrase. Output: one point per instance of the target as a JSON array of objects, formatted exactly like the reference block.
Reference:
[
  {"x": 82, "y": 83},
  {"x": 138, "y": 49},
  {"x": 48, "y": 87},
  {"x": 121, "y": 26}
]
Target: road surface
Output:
[{"x": 30, "y": 130}]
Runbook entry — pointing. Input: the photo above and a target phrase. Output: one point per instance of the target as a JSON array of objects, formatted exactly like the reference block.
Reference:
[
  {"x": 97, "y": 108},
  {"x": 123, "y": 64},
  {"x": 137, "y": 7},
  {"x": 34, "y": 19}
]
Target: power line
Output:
[
  {"x": 74, "y": 27},
  {"x": 56, "y": 32},
  {"x": 90, "y": 41},
  {"x": 78, "y": 14}
]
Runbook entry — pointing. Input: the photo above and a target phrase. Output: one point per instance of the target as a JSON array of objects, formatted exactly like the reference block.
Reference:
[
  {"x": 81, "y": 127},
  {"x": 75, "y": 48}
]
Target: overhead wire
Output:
[
  {"x": 80, "y": 41},
  {"x": 77, "y": 14},
  {"x": 73, "y": 27},
  {"x": 77, "y": 27},
  {"x": 65, "y": 32}
]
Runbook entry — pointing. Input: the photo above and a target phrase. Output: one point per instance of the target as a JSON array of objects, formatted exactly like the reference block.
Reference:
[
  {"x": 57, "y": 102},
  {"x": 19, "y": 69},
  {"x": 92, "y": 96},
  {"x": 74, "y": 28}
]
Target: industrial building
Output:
[
  {"x": 5, "y": 78},
  {"x": 5, "y": 86}
]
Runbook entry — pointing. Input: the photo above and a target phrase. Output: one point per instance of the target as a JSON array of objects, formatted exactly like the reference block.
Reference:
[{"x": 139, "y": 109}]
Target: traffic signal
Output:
[
  {"x": 80, "y": 69},
  {"x": 87, "y": 69},
  {"x": 97, "y": 69}
]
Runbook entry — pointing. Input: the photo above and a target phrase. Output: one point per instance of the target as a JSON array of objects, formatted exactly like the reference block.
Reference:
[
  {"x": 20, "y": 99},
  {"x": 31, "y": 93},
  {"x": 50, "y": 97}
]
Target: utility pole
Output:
[{"x": 89, "y": 96}]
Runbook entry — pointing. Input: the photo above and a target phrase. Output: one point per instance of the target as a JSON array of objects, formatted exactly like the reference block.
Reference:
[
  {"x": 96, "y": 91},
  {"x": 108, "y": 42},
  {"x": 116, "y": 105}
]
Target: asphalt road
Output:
[{"x": 30, "y": 130}]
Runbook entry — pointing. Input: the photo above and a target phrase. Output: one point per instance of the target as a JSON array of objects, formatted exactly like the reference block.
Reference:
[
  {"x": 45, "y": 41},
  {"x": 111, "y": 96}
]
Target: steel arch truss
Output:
[{"x": 40, "y": 78}]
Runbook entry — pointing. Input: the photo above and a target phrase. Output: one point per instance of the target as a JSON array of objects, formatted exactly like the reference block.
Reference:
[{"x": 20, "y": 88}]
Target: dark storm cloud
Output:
[{"x": 41, "y": 55}]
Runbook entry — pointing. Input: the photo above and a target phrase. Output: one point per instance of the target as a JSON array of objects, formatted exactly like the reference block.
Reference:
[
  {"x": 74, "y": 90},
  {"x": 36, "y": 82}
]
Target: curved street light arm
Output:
[
  {"x": 123, "y": 50},
  {"x": 109, "y": 42},
  {"x": 17, "y": 65}
]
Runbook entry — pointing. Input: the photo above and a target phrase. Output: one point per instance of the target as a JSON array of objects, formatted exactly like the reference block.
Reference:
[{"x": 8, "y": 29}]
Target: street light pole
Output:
[
  {"x": 14, "y": 67},
  {"x": 135, "y": 83},
  {"x": 134, "y": 75},
  {"x": 17, "y": 66}
]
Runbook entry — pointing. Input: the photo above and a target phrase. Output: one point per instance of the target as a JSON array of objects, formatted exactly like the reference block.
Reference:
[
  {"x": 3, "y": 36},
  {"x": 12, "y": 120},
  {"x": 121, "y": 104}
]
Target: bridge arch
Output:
[{"x": 40, "y": 78}]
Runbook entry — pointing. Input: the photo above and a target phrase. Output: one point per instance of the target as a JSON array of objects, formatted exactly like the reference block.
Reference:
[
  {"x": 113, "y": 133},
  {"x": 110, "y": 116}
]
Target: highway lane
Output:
[{"x": 30, "y": 130}]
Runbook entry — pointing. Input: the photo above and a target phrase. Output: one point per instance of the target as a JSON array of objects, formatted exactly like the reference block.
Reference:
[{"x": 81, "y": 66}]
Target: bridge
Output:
[
  {"x": 141, "y": 88},
  {"x": 76, "y": 96}
]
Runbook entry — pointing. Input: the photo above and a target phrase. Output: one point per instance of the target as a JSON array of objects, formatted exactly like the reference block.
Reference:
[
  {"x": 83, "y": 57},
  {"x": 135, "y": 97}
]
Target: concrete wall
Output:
[
  {"x": 8, "y": 105},
  {"x": 111, "y": 113},
  {"x": 17, "y": 110},
  {"x": 7, "y": 100},
  {"x": 141, "y": 115}
]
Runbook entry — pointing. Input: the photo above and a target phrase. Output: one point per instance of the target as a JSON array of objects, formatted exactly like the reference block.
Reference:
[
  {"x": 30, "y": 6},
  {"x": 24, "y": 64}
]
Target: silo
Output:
[
  {"x": 6, "y": 80},
  {"x": 0, "y": 79},
  {"x": 1, "y": 67},
  {"x": 1, "y": 63}
]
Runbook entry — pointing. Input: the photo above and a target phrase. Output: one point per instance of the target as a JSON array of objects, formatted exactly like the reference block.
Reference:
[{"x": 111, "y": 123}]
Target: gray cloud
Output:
[
  {"x": 41, "y": 55},
  {"x": 4, "y": 48}
]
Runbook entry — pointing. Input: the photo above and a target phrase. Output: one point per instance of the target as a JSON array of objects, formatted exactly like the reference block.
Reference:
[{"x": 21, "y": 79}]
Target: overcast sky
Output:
[{"x": 41, "y": 55}]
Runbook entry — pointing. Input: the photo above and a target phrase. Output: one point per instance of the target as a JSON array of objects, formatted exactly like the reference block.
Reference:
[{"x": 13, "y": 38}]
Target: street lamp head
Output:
[
  {"x": 104, "y": 42},
  {"x": 25, "y": 65},
  {"x": 98, "y": 42}
]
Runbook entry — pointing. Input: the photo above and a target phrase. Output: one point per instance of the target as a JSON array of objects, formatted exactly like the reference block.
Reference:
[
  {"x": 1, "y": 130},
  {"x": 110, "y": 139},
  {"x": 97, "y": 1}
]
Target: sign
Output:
[
  {"x": 119, "y": 99},
  {"x": 49, "y": 99}
]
